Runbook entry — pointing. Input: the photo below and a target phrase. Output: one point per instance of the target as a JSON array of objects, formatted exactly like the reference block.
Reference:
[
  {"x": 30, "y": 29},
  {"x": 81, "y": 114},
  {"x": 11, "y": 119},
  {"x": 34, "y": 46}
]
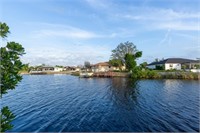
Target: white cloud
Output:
[
  {"x": 67, "y": 33},
  {"x": 158, "y": 14},
  {"x": 166, "y": 38},
  {"x": 193, "y": 26},
  {"x": 157, "y": 18},
  {"x": 71, "y": 55},
  {"x": 64, "y": 31}
]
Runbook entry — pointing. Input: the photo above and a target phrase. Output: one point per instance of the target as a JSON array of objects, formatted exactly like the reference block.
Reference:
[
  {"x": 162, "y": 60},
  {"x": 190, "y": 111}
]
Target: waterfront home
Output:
[
  {"x": 104, "y": 67},
  {"x": 101, "y": 67},
  {"x": 175, "y": 63},
  {"x": 47, "y": 69},
  {"x": 58, "y": 69},
  {"x": 71, "y": 68},
  {"x": 44, "y": 68}
]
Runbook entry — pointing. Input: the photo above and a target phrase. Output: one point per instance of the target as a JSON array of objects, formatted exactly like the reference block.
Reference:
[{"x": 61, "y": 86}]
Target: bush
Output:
[{"x": 138, "y": 73}]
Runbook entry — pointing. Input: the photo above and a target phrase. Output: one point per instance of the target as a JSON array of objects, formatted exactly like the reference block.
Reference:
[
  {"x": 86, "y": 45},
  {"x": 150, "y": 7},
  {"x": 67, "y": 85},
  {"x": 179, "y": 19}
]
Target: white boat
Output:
[{"x": 86, "y": 74}]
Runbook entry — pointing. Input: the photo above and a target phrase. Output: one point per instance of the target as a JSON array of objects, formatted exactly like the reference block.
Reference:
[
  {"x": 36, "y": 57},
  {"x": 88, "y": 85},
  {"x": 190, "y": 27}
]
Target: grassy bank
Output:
[
  {"x": 154, "y": 74},
  {"x": 63, "y": 72},
  {"x": 147, "y": 74}
]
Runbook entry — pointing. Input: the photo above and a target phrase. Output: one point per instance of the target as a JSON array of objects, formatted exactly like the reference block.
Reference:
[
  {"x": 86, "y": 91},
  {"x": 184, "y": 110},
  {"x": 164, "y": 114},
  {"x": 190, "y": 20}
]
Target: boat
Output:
[{"x": 86, "y": 74}]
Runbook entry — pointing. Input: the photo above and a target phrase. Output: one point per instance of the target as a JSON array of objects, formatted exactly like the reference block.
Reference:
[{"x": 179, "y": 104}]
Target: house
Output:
[
  {"x": 44, "y": 68},
  {"x": 77, "y": 69},
  {"x": 174, "y": 63},
  {"x": 58, "y": 69},
  {"x": 71, "y": 68},
  {"x": 104, "y": 67},
  {"x": 47, "y": 69},
  {"x": 101, "y": 67}
]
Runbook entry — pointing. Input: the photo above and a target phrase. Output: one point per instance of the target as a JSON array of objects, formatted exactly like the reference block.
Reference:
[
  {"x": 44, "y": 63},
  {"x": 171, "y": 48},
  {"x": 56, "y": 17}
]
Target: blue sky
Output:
[{"x": 69, "y": 32}]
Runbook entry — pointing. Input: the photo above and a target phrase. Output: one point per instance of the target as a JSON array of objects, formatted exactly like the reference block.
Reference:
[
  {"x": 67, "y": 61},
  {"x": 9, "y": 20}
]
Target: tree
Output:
[
  {"x": 87, "y": 64},
  {"x": 123, "y": 49},
  {"x": 143, "y": 65},
  {"x": 115, "y": 62},
  {"x": 130, "y": 62},
  {"x": 10, "y": 65},
  {"x": 4, "y": 30},
  {"x": 26, "y": 68}
]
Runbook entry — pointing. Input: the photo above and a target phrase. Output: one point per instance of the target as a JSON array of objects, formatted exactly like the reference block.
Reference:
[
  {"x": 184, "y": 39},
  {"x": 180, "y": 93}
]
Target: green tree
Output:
[
  {"x": 10, "y": 65},
  {"x": 143, "y": 65},
  {"x": 123, "y": 49},
  {"x": 26, "y": 67},
  {"x": 130, "y": 60},
  {"x": 116, "y": 63},
  {"x": 4, "y": 30}
]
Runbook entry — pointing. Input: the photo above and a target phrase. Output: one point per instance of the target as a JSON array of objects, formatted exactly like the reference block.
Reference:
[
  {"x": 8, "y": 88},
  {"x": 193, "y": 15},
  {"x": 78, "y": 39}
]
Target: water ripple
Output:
[{"x": 62, "y": 103}]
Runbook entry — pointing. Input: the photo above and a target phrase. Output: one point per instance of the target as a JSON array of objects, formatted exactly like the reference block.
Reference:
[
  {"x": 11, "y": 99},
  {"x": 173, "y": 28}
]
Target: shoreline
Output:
[{"x": 161, "y": 75}]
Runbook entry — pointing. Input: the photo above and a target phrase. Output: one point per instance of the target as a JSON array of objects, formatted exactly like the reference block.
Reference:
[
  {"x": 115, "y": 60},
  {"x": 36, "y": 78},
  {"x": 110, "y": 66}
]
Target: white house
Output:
[
  {"x": 101, "y": 67},
  {"x": 58, "y": 69},
  {"x": 174, "y": 63}
]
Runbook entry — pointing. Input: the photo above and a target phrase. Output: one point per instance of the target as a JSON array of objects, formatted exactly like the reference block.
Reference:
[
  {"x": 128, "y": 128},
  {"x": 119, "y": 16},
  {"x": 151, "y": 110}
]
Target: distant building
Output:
[
  {"x": 71, "y": 68},
  {"x": 174, "y": 63},
  {"x": 47, "y": 69},
  {"x": 58, "y": 69}
]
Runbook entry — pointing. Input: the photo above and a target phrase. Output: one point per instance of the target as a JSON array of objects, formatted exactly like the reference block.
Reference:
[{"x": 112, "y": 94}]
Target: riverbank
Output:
[
  {"x": 179, "y": 75},
  {"x": 40, "y": 73},
  {"x": 152, "y": 75},
  {"x": 143, "y": 75}
]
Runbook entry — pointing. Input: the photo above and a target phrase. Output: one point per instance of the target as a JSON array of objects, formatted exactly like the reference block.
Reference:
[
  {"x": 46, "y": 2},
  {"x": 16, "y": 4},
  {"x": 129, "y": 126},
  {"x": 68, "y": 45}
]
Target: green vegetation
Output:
[
  {"x": 162, "y": 74},
  {"x": 10, "y": 66},
  {"x": 128, "y": 50},
  {"x": 75, "y": 73},
  {"x": 125, "y": 54},
  {"x": 147, "y": 74},
  {"x": 26, "y": 68},
  {"x": 116, "y": 63},
  {"x": 143, "y": 65},
  {"x": 59, "y": 66}
]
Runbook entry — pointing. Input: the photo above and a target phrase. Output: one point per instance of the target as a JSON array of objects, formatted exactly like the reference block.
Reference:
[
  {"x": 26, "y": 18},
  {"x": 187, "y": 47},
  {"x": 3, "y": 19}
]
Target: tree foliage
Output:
[
  {"x": 4, "y": 30},
  {"x": 10, "y": 65},
  {"x": 115, "y": 62},
  {"x": 143, "y": 65},
  {"x": 130, "y": 62},
  {"x": 123, "y": 49},
  {"x": 87, "y": 64},
  {"x": 6, "y": 118}
]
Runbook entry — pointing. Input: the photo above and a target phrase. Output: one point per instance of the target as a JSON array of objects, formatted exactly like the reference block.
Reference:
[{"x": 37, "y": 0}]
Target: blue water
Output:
[{"x": 55, "y": 103}]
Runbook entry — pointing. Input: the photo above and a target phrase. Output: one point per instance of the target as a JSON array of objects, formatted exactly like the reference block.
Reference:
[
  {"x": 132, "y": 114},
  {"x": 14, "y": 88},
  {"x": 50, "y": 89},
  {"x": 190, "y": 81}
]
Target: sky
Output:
[{"x": 70, "y": 32}]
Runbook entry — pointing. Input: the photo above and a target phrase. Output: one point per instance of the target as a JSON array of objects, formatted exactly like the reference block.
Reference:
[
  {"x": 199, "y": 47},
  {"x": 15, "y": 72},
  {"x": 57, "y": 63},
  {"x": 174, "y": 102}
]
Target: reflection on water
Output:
[
  {"x": 124, "y": 92},
  {"x": 62, "y": 103}
]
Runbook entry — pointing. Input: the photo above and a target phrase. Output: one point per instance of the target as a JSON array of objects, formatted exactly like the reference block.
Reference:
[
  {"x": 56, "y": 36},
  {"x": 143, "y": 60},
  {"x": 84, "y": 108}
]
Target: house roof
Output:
[
  {"x": 102, "y": 64},
  {"x": 173, "y": 60}
]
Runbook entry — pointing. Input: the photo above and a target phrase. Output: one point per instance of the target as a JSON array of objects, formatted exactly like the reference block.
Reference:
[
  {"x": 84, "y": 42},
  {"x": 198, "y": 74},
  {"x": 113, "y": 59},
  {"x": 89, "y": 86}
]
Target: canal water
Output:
[{"x": 64, "y": 103}]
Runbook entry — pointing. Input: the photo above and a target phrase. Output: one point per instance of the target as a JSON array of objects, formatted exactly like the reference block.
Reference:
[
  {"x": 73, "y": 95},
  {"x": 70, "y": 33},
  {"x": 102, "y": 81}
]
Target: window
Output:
[{"x": 171, "y": 65}]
